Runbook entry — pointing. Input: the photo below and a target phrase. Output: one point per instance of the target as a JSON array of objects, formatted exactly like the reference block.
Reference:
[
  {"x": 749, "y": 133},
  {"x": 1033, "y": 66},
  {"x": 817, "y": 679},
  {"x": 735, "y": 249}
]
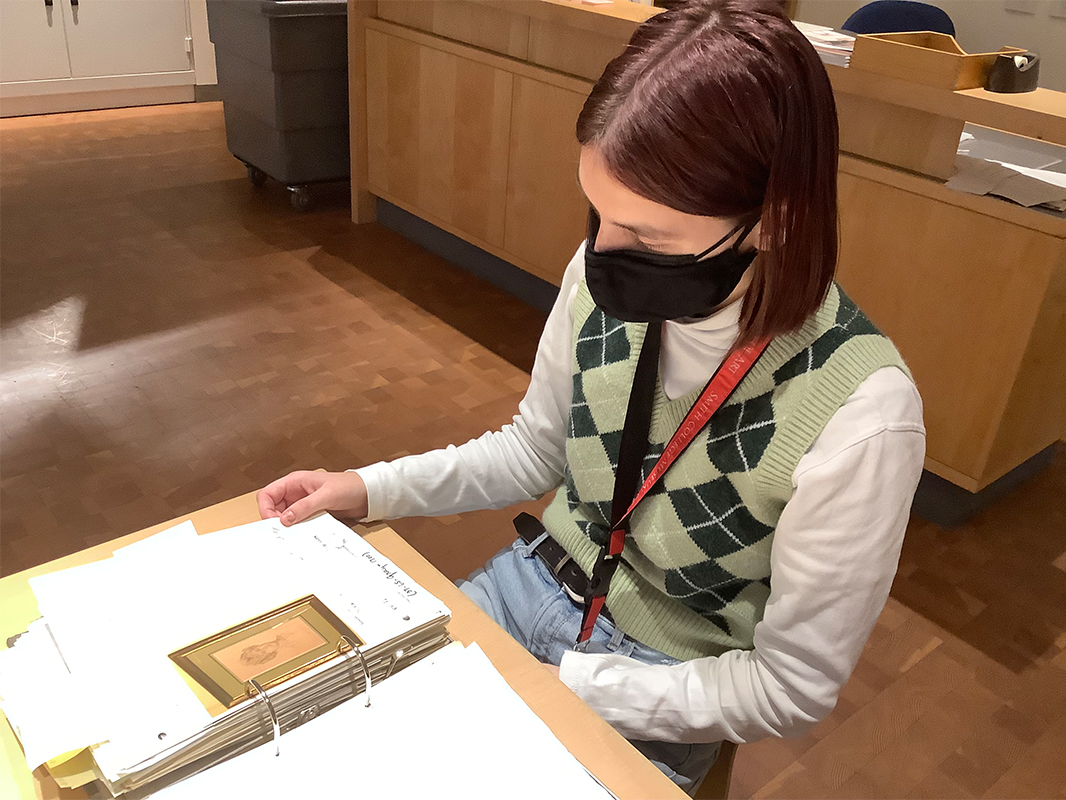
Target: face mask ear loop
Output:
[
  {"x": 722, "y": 241},
  {"x": 593, "y": 230},
  {"x": 747, "y": 231}
]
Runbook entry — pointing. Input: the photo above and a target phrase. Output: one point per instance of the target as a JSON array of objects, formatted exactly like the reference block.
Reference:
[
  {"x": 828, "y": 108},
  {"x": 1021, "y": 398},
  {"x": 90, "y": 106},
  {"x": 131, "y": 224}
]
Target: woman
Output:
[{"x": 753, "y": 568}]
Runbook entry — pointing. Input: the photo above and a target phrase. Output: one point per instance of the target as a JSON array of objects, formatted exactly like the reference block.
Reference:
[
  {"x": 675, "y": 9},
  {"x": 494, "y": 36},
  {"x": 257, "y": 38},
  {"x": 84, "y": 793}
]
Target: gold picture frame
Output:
[{"x": 270, "y": 649}]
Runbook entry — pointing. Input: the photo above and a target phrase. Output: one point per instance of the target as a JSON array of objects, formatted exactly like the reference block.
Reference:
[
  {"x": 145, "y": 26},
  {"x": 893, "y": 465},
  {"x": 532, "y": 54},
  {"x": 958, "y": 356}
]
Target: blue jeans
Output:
[{"x": 518, "y": 591}]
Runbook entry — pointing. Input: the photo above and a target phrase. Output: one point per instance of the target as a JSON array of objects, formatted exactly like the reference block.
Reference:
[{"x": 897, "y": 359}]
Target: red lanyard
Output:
[{"x": 714, "y": 395}]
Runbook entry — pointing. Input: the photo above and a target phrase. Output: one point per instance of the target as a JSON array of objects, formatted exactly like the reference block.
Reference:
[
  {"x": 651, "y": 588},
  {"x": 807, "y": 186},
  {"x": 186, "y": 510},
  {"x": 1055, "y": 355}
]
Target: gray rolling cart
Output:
[{"x": 283, "y": 76}]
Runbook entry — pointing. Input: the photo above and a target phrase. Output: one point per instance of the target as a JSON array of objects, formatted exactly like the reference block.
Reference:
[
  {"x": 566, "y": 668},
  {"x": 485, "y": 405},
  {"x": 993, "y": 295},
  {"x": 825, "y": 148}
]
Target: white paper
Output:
[
  {"x": 161, "y": 544},
  {"x": 448, "y": 726},
  {"x": 832, "y": 46},
  {"x": 1009, "y": 149},
  {"x": 79, "y": 591},
  {"x": 47, "y": 705},
  {"x": 1029, "y": 187},
  {"x": 975, "y": 175}
]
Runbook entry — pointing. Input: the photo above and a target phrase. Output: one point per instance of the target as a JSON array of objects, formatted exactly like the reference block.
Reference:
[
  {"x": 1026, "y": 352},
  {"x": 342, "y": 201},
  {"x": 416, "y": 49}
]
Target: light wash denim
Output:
[{"x": 518, "y": 591}]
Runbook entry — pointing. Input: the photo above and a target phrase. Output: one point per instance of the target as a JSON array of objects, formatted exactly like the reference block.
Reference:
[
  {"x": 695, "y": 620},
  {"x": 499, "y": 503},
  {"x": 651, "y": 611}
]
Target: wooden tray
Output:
[{"x": 933, "y": 59}]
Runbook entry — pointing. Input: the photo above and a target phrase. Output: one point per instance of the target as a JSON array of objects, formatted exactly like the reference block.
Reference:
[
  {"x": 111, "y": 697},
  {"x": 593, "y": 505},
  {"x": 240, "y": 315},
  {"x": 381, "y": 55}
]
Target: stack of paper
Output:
[
  {"x": 94, "y": 671},
  {"x": 832, "y": 46},
  {"x": 985, "y": 165}
]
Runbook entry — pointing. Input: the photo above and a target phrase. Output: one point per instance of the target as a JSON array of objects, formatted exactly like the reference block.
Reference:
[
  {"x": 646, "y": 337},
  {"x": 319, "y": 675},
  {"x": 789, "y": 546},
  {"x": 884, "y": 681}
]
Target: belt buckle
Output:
[
  {"x": 570, "y": 592},
  {"x": 578, "y": 599}
]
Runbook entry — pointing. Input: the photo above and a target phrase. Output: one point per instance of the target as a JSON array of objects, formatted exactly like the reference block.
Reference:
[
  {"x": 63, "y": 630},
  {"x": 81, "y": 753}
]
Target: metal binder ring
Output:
[
  {"x": 362, "y": 661},
  {"x": 392, "y": 663},
  {"x": 270, "y": 710}
]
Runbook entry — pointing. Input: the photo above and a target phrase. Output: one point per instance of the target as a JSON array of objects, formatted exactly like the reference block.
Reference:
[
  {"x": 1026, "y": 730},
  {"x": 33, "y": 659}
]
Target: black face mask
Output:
[{"x": 634, "y": 286}]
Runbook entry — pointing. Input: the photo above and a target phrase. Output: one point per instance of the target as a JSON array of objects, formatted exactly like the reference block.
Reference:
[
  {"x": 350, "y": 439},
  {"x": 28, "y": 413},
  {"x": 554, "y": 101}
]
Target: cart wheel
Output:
[
  {"x": 256, "y": 176},
  {"x": 301, "y": 198}
]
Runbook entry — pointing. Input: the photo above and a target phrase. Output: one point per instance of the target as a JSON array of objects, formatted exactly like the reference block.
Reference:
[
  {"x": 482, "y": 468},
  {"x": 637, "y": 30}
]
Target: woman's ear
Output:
[{"x": 754, "y": 238}]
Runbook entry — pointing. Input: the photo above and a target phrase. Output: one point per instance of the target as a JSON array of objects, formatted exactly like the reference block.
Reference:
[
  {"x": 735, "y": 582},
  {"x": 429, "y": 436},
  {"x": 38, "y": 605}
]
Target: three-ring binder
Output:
[
  {"x": 346, "y": 648},
  {"x": 352, "y": 648}
]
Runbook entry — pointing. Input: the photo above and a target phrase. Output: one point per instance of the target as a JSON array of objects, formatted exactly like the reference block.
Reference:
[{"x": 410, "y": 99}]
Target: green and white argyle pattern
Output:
[{"x": 696, "y": 573}]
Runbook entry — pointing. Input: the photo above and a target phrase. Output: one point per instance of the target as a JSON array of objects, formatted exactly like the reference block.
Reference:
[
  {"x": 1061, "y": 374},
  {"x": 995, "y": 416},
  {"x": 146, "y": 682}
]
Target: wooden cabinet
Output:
[
  {"x": 67, "y": 56},
  {"x": 546, "y": 211},
  {"x": 480, "y": 144},
  {"x": 973, "y": 292},
  {"x": 437, "y": 134}
]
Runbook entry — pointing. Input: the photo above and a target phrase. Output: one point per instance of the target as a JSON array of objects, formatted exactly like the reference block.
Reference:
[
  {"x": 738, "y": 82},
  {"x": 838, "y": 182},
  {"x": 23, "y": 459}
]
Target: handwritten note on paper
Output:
[{"x": 355, "y": 579}]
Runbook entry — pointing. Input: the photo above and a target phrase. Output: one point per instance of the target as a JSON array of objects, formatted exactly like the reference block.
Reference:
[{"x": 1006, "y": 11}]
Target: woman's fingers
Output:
[
  {"x": 318, "y": 500},
  {"x": 271, "y": 500},
  {"x": 301, "y": 494},
  {"x": 274, "y": 499}
]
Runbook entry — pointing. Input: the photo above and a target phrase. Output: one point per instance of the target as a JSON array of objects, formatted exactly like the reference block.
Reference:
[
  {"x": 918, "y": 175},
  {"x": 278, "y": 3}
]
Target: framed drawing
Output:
[{"x": 270, "y": 649}]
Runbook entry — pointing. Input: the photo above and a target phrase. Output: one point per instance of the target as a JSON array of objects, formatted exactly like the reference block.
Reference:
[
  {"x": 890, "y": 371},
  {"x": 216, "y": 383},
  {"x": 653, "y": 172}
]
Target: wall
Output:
[
  {"x": 202, "y": 50},
  {"x": 983, "y": 26}
]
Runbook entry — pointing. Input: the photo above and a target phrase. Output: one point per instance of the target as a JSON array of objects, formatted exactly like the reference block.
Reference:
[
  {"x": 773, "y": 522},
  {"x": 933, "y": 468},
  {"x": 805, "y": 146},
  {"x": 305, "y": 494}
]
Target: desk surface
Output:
[{"x": 590, "y": 739}]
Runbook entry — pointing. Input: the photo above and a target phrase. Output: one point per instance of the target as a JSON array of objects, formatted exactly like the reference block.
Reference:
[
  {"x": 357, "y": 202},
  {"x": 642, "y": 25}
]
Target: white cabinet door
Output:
[
  {"x": 32, "y": 42},
  {"x": 125, "y": 37}
]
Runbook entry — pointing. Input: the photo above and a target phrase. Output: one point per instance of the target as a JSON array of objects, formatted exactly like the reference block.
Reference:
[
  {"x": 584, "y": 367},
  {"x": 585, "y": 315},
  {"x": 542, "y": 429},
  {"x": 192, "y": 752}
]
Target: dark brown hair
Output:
[{"x": 721, "y": 108}]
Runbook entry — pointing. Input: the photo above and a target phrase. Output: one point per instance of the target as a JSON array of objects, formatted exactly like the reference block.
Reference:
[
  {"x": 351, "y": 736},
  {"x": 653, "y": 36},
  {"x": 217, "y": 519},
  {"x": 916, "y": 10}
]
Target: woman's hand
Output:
[{"x": 300, "y": 494}]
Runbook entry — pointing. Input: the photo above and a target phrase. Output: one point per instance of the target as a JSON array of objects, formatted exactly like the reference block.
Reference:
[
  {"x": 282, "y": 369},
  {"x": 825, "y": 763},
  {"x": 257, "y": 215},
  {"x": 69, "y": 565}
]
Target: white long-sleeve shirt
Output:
[{"x": 834, "y": 553}]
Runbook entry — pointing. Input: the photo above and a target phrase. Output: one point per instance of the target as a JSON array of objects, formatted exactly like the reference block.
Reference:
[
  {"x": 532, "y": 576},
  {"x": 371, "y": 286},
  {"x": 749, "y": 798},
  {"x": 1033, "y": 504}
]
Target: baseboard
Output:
[
  {"x": 207, "y": 93},
  {"x": 515, "y": 281},
  {"x": 22, "y": 106},
  {"x": 947, "y": 505}
]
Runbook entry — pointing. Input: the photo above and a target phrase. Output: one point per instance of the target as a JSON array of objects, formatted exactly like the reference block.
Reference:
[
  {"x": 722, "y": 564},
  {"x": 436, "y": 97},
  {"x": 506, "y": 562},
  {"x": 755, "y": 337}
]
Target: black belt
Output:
[{"x": 565, "y": 570}]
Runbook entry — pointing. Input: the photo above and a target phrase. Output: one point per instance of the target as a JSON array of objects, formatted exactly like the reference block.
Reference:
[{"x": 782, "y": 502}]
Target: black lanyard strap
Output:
[{"x": 631, "y": 452}]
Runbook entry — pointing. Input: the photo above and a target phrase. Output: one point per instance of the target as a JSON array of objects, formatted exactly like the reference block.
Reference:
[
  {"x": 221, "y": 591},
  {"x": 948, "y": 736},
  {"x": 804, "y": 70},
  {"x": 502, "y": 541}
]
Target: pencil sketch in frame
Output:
[{"x": 270, "y": 648}]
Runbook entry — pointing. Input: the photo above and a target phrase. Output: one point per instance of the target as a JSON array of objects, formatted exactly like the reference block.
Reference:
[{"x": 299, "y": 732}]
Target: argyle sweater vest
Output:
[{"x": 695, "y": 575}]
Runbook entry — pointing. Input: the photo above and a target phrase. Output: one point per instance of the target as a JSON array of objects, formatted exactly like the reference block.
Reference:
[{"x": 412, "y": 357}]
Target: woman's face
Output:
[{"x": 631, "y": 222}]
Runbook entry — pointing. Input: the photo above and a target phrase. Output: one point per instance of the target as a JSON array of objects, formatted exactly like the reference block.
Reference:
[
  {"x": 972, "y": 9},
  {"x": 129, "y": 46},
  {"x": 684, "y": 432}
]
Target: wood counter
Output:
[{"x": 463, "y": 114}]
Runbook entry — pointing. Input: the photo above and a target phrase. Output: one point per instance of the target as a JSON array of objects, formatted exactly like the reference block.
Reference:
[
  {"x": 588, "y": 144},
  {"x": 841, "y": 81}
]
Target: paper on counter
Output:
[
  {"x": 157, "y": 707},
  {"x": 1009, "y": 149},
  {"x": 100, "y": 607},
  {"x": 1023, "y": 185},
  {"x": 49, "y": 707},
  {"x": 832, "y": 46},
  {"x": 164, "y": 593},
  {"x": 159, "y": 545}
]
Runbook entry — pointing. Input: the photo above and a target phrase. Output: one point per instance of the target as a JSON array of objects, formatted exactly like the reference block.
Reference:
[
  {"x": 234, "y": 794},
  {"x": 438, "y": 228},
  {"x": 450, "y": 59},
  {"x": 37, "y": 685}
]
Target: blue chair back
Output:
[{"x": 899, "y": 16}]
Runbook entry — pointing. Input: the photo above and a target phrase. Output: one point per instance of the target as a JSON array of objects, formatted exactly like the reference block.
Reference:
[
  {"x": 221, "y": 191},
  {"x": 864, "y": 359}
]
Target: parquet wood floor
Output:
[{"x": 170, "y": 337}]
